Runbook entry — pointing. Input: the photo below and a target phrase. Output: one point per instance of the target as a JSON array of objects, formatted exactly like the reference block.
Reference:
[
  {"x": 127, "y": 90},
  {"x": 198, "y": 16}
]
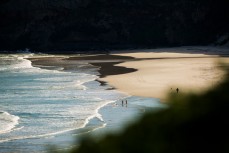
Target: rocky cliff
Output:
[{"x": 45, "y": 25}]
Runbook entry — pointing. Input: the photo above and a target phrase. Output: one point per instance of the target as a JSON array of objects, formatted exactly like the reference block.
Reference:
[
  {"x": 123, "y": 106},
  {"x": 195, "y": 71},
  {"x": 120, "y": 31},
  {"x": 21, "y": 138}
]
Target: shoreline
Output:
[
  {"x": 111, "y": 113},
  {"x": 133, "y": 71},
  {"x": 113, "y": 68},
  {"x": 139, "y": 72}
]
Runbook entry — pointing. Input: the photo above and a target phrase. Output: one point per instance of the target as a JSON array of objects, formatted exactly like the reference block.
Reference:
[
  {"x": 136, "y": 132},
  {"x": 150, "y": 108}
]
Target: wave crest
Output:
[
  {"x": 13, "y": 62},
  {"x": 7, "y": 122}
]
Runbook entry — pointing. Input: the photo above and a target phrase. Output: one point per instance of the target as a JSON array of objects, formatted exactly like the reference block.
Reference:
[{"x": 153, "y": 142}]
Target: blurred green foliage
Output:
[{"x": 191, "y": 124}]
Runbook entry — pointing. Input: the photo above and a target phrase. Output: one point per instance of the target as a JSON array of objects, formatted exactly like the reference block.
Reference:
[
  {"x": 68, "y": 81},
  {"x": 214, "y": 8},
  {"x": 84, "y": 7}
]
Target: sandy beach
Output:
[{"x": 160, "y": 71}]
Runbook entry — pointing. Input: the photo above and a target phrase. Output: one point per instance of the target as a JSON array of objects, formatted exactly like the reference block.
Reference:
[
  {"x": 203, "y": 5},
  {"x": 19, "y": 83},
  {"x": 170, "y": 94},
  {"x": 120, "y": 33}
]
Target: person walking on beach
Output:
[
  {"x": 177, "y": 90},
  {"x": 122, "y": 102},
  {"x": 126, "y": 102}
]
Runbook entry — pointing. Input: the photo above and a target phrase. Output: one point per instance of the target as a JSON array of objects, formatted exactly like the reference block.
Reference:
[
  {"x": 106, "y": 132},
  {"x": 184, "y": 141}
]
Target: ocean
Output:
[{"x": 41, "y": 105}]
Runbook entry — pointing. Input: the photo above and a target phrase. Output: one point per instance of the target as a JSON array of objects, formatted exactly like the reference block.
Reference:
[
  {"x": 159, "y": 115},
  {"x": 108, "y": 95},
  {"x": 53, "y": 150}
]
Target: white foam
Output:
[
  {"x": 24, "y": 63},
  {"x": 7, "y": 122},
  {"x": 79, "y": 83},
  {"x": 15, "y": 61},
  {"x": 97, "y": 114},
  {"x": 50, "y": 102}
]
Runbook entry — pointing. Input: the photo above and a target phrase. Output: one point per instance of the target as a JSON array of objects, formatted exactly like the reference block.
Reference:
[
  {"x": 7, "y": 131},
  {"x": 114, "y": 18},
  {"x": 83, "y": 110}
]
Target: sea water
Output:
[
  {"x": 36, "y": 103},
  {"x": 51, "y": 105}
]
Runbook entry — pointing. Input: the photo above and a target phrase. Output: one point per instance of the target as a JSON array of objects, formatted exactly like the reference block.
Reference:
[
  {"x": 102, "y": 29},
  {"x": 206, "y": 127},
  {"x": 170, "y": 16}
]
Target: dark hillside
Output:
[{"x": 44, "y": 25}]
